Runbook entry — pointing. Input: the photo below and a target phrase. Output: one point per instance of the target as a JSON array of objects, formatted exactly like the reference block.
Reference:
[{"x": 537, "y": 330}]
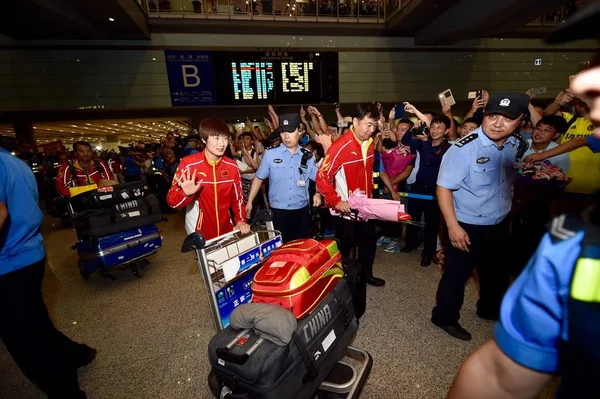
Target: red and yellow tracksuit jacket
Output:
[
  {"x": 347, "y": 166},
  {"x": 97, "y": 171},
  {"x": 208, "y": 211}
]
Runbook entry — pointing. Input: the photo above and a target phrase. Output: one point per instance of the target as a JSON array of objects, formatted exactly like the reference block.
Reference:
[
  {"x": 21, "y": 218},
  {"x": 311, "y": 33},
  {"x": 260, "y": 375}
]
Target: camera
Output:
[{"x": 420, "y": 130}]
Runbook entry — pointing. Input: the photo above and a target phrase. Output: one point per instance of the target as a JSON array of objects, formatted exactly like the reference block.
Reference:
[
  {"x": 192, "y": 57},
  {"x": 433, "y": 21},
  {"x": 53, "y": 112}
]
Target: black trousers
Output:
[
  {"x": 43, "y": 353},
  {"x": 487, "y": 253},
  {"x": 431, "y": 210},
  {"x": 359, "y": 235},
  {"x": 294, "y": 224}
]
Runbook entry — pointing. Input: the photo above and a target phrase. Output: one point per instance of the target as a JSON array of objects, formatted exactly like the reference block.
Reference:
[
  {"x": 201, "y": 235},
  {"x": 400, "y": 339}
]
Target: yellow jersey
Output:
[{"x": 585, "y": 165}]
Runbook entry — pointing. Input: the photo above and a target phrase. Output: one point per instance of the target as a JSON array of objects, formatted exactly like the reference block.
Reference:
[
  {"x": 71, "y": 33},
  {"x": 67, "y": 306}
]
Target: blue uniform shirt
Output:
[
  {"x": 533, "y": 317},
  {"x": 481, "y": 177},
  {"x": 593, "y": 143},
  {"x": 281, "y": 167},
  {"x": 21, "y": 243}
]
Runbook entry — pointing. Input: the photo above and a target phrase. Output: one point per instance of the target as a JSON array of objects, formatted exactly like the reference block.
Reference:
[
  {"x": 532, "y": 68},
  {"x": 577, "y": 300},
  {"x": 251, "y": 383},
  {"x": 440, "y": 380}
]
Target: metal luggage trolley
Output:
[{"x": 228, "y": 264}]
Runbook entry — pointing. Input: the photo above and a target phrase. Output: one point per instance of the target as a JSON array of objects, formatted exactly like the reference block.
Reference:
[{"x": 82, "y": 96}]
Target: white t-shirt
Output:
[{"x": 562, "y": 160}]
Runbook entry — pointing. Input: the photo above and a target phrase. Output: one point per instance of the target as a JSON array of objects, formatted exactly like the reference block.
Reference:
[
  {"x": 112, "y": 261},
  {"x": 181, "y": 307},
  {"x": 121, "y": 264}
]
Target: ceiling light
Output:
[
  {"x": 74, "y": 125},
  {"x": 153, "y": 59},
  {"x": 35, "y": 127},
  {"x": 111, "y": 19}
]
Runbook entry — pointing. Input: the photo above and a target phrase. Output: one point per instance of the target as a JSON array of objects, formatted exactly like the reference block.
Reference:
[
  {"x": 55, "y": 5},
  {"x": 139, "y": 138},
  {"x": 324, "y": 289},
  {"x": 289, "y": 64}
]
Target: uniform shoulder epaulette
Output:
[
  {"x": 563, "y": 227},
  {"x": 518, "y": 136},
  {"x": 467, "y": 139},
  {"x": 271, "y": 147}
]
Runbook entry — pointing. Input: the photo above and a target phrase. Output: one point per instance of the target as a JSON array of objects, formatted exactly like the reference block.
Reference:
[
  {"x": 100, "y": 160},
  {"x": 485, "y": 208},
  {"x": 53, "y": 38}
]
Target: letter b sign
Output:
[{"x": 190, "y": 76}]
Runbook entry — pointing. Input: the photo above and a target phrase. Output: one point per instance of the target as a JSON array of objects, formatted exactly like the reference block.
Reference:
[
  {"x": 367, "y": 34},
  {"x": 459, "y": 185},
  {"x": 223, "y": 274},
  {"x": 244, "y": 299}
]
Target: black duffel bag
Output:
[
  {"x": 104, "y": 197},
  {"x": 285, "y": 372},
  {"x": 96, "y": 223}
]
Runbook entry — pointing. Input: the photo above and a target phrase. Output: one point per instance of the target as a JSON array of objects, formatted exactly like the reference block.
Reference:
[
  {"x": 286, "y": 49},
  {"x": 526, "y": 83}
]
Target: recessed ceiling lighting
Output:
[
  {"x": 153, "y": 59},
  {"x": 111, "y": 19},
  {"x": 35, "y": 127}
]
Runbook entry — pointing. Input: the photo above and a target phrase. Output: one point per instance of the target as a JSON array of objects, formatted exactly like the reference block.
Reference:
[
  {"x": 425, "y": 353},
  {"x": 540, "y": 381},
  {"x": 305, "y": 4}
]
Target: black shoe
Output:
[
  {"x": 407, "y": 249},
  {"x": 85, "y": 357},
  {"x": 425, "y": 261},
  {"x": 456, "y": 331},
  {"x": 376, "y": 282}
]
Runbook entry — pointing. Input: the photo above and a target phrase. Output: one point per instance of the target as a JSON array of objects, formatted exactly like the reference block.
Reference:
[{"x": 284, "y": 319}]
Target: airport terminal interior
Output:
[{"x": 132, "y": 82}]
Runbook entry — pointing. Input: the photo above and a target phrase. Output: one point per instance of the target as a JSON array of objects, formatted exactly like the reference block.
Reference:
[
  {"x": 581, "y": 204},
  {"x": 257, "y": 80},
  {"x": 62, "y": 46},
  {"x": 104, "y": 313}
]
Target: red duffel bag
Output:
[{"x": 298, "y": 275}]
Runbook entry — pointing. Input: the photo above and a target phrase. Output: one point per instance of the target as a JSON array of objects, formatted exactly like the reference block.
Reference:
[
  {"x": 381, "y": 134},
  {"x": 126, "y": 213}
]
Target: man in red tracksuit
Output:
[
  {"x": 348, "y": 166},
  {"x": 84, "y": 171},
  {"x": 209, "y": 184}
]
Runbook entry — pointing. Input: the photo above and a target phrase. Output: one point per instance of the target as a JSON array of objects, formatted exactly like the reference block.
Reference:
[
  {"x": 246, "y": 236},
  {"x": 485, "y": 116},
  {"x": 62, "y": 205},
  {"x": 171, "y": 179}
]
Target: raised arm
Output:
[
  {"x": 563, "y": 98},
  {"x": 257, "y": 133},
  {"x": 320, "y": 120},
  {"x": 452, "y": 134},
  {"x": 311, "y": 133},
  {"x": 408, "y": 107}
]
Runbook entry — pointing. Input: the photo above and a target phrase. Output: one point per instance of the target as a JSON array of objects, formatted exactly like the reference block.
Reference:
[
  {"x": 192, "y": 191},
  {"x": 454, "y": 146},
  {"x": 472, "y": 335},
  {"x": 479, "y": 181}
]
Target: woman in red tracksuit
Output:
[{"x": 209, "y": 184}]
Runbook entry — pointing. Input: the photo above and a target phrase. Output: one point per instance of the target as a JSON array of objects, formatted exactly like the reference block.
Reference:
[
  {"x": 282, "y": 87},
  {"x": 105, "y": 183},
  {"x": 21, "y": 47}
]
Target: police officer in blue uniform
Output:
[
  {"x": 288, "y": 168},
  {"x": 475, "y": 195},
  {"x": 550, "y": 317}
]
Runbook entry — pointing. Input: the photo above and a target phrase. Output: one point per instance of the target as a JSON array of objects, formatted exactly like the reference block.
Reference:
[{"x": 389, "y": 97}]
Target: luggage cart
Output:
[
  {"x": 228, "y": 264},
  {"x": 137, "y": 246}
]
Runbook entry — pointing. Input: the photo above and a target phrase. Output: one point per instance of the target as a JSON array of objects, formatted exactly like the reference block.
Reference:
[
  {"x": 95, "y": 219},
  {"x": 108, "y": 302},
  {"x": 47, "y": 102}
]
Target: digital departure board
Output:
[{"x": 278, "y": 77}]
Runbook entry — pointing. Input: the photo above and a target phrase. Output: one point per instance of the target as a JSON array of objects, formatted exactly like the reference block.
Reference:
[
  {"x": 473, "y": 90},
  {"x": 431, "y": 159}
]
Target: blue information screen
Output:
[{"x": 190, "y": 78}]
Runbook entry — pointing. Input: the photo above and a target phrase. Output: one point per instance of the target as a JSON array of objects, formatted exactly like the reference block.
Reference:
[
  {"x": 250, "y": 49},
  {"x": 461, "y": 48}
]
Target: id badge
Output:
[{"x": 300, "y": 183}]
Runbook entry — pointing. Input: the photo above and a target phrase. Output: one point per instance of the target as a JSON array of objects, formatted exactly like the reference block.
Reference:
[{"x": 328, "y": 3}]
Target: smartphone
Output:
[
  {"x": 472, "y": 95},
  {"x": 400, "y": 112},
  {"x": 341, "y": 123},
  {"x": 539, "y": 90},
  {"x": 337, "y": 105},
  {"x": 446, "y": 98}
]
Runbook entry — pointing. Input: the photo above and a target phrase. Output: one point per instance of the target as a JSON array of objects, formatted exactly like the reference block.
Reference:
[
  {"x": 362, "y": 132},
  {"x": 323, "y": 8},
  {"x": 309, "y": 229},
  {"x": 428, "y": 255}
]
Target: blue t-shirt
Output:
[
  {"x": 158, "y": 162},
  {"x": 21, "y": 243},
  {"x": 131, "y": 167},
  {"x": 533, "y": 317}
]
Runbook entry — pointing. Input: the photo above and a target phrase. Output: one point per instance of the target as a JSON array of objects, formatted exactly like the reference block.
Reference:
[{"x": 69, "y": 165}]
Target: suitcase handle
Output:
[{"x": 225, "y": 354}]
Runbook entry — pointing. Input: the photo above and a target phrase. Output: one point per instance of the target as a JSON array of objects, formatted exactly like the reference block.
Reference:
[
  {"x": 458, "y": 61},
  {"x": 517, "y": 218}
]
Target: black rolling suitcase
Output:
[
  {"x": 104, "y": 197},
  {"x": 96, "y": 223},
  {"x": 246, "y": 367}
]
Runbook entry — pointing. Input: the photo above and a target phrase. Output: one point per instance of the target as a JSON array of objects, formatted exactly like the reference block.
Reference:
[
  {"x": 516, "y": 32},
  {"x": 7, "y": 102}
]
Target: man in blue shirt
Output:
[
  {"x": 288, "y": 167},
  {"x": 431, "y": 153},
  {"x": 192, "y": 144},
  {"x": 541, "y": 330},
  {"x": 133, "y": 167},
  {"x": 475, "y": 196},
  {"x": 44, "y": 354}
]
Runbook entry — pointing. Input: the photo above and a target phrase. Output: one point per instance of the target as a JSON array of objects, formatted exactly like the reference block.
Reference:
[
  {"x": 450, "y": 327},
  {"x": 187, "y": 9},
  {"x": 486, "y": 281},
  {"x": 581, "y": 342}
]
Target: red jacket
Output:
[
  {"x": 64, "y": 177},
  {"x": 221, "y": 189},
  {"x": 344, "y": 169}
]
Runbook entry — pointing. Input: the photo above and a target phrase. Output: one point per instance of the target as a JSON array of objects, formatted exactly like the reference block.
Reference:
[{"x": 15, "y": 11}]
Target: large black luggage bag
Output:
[
  {"x": 293, "y": 371},
  {"x": 96, "y": 223},
  {"x": 104, "y": 197},
  {"x": 356, "y": 275}
]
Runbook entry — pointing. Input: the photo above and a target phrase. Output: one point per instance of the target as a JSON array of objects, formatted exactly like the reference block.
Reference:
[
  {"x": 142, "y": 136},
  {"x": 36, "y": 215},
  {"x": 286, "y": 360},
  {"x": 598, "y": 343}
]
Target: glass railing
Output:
[
  {"x": 375, "y": 11},
  {"x": 557, "y": 16}
]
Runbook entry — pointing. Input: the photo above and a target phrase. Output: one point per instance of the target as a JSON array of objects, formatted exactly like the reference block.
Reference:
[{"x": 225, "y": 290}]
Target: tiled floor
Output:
[{"x": 152, "y": 333}]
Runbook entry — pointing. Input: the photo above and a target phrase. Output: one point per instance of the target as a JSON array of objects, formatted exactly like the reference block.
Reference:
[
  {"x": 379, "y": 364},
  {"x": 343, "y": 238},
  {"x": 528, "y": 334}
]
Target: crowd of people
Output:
[{"x": 457, "y": 174}]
